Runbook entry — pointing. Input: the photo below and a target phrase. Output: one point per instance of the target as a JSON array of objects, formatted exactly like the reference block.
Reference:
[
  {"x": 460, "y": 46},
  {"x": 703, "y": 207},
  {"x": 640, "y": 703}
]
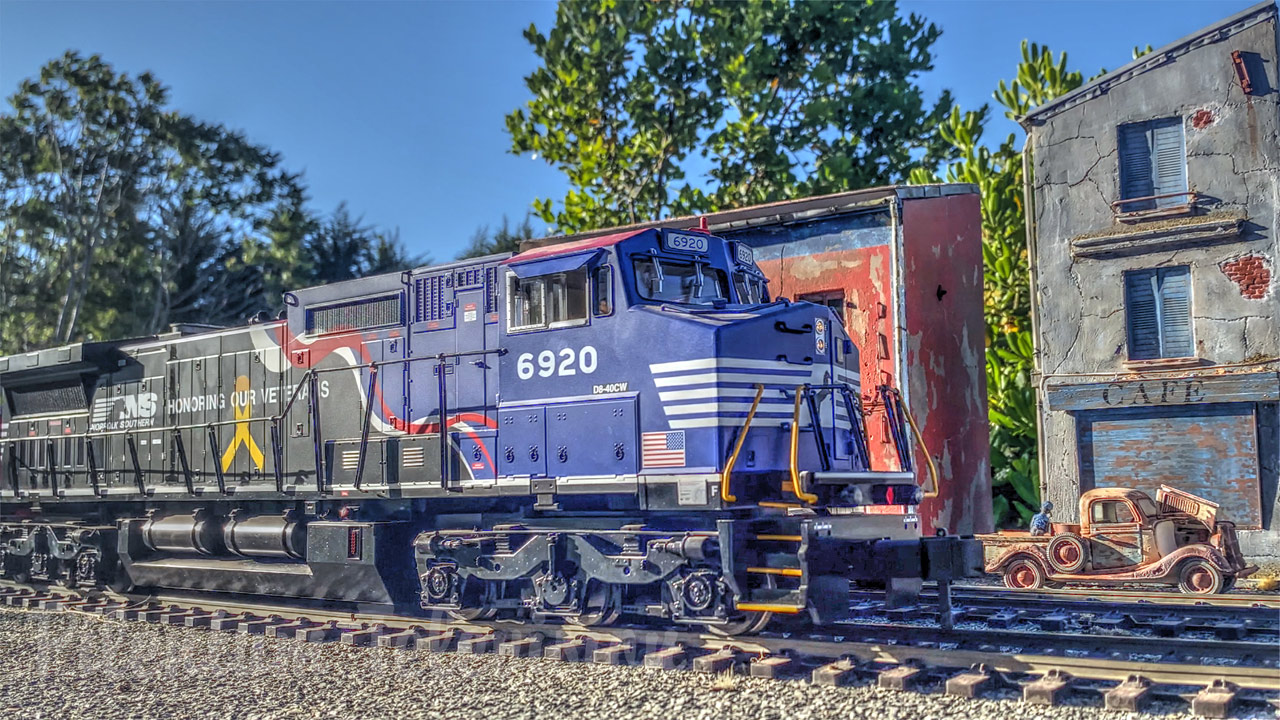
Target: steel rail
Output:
[
  {"x": 920, "y": 647},
  {"x": 1148, "y": 596}
]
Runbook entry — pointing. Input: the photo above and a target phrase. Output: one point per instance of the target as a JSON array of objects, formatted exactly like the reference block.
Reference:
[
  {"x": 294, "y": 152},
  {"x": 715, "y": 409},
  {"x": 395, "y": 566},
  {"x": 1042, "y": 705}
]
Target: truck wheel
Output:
[
  {"x": 1198, "y": 577},
  {"x": 1066, "y": 552},
  {"x": 1023, "y": 574}
]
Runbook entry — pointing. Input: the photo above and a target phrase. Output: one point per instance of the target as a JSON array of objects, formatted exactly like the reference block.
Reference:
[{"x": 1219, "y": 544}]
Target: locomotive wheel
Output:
[
  {"x": 473, "y": 614},
  {"x": 600, "y": 607},
  {"x": 1066, "y": 552},
  {"x": 1023, "y": 574},
  {"x": 1198, "y": 577},
  {"x": 747, "y": 622}
]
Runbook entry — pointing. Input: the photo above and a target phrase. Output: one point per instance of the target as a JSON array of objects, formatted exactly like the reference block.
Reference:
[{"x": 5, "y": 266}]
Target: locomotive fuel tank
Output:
[
  {"x": 265, "y": 536},
  {"x": 194, "y": 533}
]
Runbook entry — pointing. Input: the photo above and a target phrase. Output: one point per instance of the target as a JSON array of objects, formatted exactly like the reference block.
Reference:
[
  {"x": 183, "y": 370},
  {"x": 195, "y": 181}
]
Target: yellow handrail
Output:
[
  {"x": 795, "y": 451},
  {"x": 924, "y": 450},
  {"x": 725, "y": 495}
]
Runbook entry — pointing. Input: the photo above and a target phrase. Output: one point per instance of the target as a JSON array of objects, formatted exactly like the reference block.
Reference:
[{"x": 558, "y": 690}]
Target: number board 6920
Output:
[{"x": 685, "y": 242}]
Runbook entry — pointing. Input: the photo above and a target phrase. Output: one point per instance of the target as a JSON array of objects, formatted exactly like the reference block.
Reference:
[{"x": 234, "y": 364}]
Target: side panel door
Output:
[
  {"x": 470, "y": 379},
  {"x": 522, "y": 440},
  {"x": 592, "y": 438}
]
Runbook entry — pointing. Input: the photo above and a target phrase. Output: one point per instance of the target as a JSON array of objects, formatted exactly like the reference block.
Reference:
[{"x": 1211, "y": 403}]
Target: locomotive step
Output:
[
  {"x": 788, "y": 602},
  {"x": 789, "y": 572}
]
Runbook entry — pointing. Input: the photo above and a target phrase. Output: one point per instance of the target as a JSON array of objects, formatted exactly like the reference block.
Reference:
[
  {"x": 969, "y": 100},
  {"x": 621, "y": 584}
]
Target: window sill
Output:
[
  {"x": 1168, "y": 234},
  {"x": 1163, "y": 363}
]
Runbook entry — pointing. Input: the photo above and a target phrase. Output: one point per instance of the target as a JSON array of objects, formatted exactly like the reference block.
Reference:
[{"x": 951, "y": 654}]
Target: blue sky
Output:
[{"x": 397, "y": 107}]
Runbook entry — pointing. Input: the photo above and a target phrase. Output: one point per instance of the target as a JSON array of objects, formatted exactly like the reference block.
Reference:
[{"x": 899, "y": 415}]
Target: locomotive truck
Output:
[{"x": 622, "y": 425}]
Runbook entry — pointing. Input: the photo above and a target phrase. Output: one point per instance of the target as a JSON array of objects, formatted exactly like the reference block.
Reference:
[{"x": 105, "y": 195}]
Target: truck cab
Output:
[{"x": 1125, "y": 537}]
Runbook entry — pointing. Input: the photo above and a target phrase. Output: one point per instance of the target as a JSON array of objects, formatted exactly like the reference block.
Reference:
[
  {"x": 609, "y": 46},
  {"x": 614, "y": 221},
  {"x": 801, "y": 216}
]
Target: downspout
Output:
[
  {"x": 1029, "y": 219},
  {"x": 897, "y": 251}
]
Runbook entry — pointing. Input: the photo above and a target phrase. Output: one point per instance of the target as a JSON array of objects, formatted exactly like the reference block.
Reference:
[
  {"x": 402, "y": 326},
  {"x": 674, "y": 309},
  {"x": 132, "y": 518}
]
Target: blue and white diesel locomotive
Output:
[{"x": 624, "y": 424}]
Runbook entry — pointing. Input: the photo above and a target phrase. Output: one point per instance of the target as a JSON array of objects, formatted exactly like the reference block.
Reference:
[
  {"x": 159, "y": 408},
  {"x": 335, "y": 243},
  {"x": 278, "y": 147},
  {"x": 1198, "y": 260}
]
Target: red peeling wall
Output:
[
  {"x": 946, "y": 354},
  {"x": 864, "y": 276},
  {"x": 941, "y": 327}
]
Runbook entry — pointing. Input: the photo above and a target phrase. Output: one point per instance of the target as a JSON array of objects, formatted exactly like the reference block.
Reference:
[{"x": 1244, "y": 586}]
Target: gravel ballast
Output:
[{"x": 60, "y": 665}]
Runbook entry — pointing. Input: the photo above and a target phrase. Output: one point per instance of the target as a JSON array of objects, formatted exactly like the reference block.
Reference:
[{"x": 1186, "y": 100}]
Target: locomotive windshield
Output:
[
  {"x": 750, "y": 289},
  {"x": 680, "y": 281}
]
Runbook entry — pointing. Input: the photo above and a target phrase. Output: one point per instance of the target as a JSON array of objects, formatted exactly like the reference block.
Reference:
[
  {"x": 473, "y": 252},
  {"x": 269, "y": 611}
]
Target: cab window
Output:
[
  {"x": 602, "y": 282},
  {"x": 678, "y": 281},
  {"x": 1111, "y": 511},
  {"x": 546, "y": 301}
]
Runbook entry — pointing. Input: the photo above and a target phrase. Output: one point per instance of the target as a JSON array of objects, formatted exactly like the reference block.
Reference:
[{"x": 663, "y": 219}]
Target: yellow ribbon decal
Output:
[{"x": 243, "y": 413}]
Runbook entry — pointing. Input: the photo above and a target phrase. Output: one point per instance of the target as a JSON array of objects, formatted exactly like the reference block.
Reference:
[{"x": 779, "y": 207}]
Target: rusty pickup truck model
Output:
[{"x": 1124, "y": 537}]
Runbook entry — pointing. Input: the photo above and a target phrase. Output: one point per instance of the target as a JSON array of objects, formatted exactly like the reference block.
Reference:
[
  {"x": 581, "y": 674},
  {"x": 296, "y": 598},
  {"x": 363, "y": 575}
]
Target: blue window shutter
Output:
[
  {"x": 1169, "y": 160},
  {"x": 1136, "y": 179},
  {"x": 1158, "y": 311},
  {"x": 1142, "y": 311},
  {"x": 1175, "y": 312}
]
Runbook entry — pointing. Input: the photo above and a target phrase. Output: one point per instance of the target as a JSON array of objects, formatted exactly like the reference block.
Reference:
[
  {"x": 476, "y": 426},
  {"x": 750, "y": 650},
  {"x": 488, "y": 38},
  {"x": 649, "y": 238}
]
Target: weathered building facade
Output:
[
  {"x": 902, "y": 267},
  {"x": 1154, "y": 194}
]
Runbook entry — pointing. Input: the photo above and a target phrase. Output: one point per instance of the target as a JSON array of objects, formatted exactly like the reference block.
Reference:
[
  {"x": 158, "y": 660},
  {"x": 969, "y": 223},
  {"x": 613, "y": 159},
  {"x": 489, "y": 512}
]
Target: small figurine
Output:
[{"x": 1040, "y": 521}]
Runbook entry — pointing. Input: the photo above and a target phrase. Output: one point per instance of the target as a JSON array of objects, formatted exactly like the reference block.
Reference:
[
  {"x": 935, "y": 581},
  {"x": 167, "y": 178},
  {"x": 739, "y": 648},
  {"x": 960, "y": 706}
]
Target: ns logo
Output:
[
  {"x": 142, "y": 405},
  {"x": 122, "y": 412}
]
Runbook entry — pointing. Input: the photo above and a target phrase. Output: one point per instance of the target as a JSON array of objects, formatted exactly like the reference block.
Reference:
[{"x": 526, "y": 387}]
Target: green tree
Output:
[
  {"x": 119, "y": 216},
  {"x": 505, "y": 239},
  {"x": 342, "y": 247},
  {"x": 115, "y": 212},
  {"x": 998, "y": 173},
  {"x": 652, "y": 109}
]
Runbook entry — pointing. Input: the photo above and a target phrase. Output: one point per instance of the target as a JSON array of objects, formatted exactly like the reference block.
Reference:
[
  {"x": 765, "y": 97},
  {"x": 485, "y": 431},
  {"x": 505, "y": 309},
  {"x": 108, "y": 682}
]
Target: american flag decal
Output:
[{"x": 662, "y": 449}]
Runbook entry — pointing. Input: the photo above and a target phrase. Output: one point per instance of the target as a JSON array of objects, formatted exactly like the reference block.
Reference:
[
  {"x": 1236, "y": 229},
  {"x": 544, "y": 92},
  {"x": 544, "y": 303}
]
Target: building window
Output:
[
  {"x": 1158, "y": 308},
  {"x": 1153, "y": 165},
  {"x": 833, "y": 299}
]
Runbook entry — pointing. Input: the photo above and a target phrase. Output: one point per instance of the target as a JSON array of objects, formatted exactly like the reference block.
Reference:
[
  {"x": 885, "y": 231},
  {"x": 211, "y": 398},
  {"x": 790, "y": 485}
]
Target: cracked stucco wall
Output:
[{"x": 1233, "y": 163}]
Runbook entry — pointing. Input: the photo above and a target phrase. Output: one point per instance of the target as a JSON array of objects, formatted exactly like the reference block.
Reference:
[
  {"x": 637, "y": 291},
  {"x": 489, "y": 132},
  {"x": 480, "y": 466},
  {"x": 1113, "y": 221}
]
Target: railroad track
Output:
[
  {"x": 1145, "y": 596},
  {"x": 1088, "y": 611},
  {"x": 1125, "y": 672}
]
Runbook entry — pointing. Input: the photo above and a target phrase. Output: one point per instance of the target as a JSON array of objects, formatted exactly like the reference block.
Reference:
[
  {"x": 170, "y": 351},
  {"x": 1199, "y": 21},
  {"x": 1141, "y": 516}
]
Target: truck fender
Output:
[{"x": 1013, "y": 552}]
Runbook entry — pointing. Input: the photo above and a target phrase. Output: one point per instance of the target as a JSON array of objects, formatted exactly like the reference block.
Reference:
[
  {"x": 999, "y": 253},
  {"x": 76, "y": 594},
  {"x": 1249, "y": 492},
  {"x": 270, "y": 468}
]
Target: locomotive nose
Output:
[{"x": 800, "y": 334}]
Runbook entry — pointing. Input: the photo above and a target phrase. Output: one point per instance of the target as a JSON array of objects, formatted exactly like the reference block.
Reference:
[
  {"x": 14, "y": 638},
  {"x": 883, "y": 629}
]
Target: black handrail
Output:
[
  {"x": 181, "y": 452},
  {"x": 50, "y": 466},
  {"x": 216, "y": 449},
  {"x": 364, "y": 427},
  {"x": 137, "y": 467}
]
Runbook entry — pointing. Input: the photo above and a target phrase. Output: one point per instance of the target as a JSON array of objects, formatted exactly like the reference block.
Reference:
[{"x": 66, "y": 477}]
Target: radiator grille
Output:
[
  {"x": 413, "y": 457},
  {"x": 430, "y": 292},
  {"x": 491, "y": 290},
  {"x": 469, "y": 277},
  {"x": 1181, "y": 504},
  {"x": 64, "y": 396},
  {"x": 350, "y": 459},
  {"x": 375, "y": 312}
]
